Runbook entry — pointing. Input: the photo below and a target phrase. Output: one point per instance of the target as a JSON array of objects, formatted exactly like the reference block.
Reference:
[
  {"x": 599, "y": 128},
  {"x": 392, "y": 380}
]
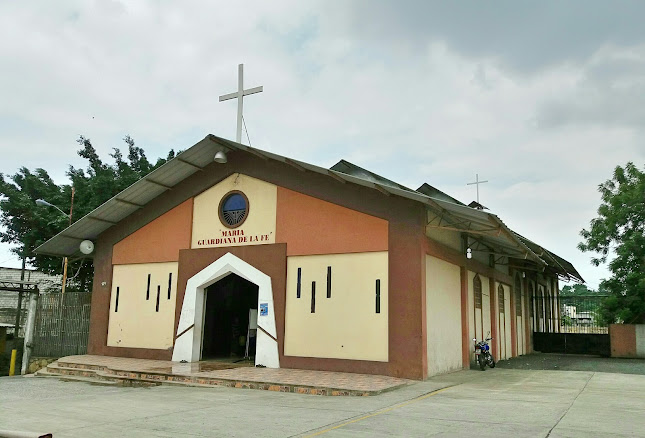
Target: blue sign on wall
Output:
[{"x": 264, "y": 309}]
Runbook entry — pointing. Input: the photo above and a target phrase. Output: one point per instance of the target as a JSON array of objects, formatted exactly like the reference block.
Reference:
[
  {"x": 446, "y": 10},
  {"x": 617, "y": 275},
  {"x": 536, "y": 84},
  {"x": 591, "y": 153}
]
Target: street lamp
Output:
[{"x": 43, "y": 203}]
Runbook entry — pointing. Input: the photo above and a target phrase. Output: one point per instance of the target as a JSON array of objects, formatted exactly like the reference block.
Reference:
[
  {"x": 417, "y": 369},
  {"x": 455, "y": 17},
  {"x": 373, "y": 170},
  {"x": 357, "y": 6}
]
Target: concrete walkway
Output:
[
  {"x": 497, "y": 402},
  {"x": 574, "y": 362}
]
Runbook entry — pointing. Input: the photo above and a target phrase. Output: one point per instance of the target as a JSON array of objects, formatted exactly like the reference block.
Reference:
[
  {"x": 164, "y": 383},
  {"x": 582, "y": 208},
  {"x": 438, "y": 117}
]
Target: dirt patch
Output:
[{"x": 573, "y": 362}]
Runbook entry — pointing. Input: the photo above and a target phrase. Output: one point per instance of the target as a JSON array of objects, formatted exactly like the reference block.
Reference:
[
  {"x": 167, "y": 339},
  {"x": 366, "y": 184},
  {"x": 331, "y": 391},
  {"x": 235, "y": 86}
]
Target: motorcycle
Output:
[{"x": 483, "y": 355}]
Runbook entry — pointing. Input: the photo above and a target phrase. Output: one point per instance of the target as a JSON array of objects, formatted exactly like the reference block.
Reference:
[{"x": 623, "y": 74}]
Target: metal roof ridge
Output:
[
  {"x": 374, "y": 174},
  {"x": 510, "y": 233},
  {"x": 553, "y": 256}
]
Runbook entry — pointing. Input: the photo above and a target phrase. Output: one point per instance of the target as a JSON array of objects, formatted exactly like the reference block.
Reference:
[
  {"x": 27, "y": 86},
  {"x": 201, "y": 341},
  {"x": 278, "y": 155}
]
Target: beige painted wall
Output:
[
  {"x": 531, "y": 308},
  {"x": 257, "y": 229},
  {"x": 521, "y": 332},
  {"x": 137, "y": 324},
  {"x": 540, "y": 302},
  {"x": 345, "y": 326},
  {"x": 443, "y": 315},
  {"x": 509, "y": 331},
  {"x": 480, "y": 328},
  {"x": 520, "y": 336},
  {"x": 449, "y": 238},
  {"x": 504, "y": 321}
]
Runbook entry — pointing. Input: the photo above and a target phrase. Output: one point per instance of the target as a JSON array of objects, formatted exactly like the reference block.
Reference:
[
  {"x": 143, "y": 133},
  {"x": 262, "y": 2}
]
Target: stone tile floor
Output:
[{"x": 243, "y": 372}]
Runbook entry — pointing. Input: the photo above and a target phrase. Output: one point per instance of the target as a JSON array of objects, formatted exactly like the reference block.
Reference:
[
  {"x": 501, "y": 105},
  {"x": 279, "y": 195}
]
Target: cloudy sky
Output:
[{"x": 542, "y": 99}]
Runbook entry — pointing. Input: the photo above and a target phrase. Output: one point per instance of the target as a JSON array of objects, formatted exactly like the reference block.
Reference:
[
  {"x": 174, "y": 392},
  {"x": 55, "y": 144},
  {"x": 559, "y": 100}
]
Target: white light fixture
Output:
[
  {"x": 220, "y": 157},
  {"x": 523, "y": 274},
  {"x": 469, "y": 253},
  {"x": 43, "y": 203},
  {"x": 86, "y": 247}
]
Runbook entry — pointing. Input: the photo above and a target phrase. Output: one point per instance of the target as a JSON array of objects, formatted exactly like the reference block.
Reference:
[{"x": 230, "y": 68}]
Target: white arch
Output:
[{"x": 191, "y": 320}]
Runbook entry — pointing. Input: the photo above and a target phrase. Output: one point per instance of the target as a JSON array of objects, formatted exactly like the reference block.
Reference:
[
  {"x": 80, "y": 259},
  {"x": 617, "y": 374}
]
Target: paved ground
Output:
[
  {"x": 497, "y": 402},
  {"x": 572, "y": 362}
]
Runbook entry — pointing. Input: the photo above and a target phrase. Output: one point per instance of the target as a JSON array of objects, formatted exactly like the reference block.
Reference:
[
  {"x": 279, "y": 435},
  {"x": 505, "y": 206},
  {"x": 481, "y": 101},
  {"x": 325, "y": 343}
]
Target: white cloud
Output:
[{"x": 413, "y": 103}]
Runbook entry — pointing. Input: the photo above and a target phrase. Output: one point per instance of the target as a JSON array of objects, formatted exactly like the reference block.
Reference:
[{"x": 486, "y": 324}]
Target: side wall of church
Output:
[
  {"x": 491, "y": 314},
  {"x": 504, "y": 321},
  {"x": 479, "y": 315},
  {"x": 443, "y": 313}
]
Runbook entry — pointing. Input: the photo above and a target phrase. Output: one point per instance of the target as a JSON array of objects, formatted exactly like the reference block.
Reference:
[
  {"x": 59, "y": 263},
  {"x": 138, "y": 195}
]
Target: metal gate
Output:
[
  {"x": 62, "y": 324},
  {"x": 569, "y": 324}
]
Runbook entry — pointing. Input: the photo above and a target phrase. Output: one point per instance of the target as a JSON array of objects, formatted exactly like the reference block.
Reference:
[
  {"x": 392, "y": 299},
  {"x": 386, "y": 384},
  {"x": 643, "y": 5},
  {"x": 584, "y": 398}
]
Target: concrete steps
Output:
[
  {"x": 104, "y": 376},
  {"x": 72, "y": 378},
  {"x": 90, "y": 374},
  {"x": 79, "y": 365}
]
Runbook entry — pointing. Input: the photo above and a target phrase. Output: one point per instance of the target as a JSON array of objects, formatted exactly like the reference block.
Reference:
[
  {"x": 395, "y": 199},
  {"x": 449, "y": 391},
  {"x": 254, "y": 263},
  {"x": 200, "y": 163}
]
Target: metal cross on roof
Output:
[
  {"x": 239, "y": 94},
  {"x": 477, "y": 182}
]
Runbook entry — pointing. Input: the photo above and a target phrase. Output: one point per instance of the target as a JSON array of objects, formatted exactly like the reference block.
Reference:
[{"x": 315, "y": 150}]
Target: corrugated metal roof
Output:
[
  {"x": 435, "y": 193},
  {"x": 131, "y": 199},
  {"x": 560, "y": 265},
  {"x": 461, "y": 218},
  {"x": 348, "y": 168}
]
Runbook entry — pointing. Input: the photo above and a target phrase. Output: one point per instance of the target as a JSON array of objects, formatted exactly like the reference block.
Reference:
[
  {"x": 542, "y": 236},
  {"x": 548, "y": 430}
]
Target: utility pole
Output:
[
  {"x": 71, "y": 209},
  {"x": 19, "y": 308}
]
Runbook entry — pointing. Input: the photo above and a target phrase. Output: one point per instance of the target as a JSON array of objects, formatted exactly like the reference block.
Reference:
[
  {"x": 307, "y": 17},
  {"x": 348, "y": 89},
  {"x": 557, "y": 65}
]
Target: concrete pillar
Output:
[{"x": 30, "y": 327}]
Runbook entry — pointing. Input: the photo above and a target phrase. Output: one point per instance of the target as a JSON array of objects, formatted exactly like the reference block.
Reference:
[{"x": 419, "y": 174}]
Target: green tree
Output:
[
  {"x": 619, "y": 231},
  {"x": 577, "y": 290},
  {"x": 27, "y": 226}
]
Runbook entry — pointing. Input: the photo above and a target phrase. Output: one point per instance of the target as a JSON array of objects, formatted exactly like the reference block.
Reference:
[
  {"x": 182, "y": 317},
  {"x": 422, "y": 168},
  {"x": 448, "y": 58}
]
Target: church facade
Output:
[{"x": 332, "y": 269}]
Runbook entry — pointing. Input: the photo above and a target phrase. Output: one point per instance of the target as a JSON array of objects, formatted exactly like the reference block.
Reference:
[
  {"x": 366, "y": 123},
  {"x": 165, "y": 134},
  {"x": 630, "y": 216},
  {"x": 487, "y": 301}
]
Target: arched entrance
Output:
[{"x": 190, "y": 332}]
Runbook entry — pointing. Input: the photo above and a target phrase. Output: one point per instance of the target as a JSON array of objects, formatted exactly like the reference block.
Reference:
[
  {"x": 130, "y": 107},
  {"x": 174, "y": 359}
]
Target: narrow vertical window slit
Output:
[
  {"x": 313, "y": 297},
  {"x": 158, "y": 293},
  {"x": 378, "y": 296},
  {"x": 299, "y": 283},
  {"x": 116, "y": 304},
  {"x": 148, "y": 289},
  {"x": 169, "y": 284},
  {"x": 328, "y": 281}
]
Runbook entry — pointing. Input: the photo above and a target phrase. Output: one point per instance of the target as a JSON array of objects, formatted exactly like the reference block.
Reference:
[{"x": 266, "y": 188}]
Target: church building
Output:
[{"x": 329, "y": 269}]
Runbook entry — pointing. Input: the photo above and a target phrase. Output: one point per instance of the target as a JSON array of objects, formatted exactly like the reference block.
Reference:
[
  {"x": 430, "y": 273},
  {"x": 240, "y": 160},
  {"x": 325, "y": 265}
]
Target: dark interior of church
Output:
[{"x": 226, "y": 318}]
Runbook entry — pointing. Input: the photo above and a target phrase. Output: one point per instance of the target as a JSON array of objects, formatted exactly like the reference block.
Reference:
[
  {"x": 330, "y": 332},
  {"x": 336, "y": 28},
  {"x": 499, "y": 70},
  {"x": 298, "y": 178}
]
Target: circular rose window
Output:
[{"x": 233, "y": 209}]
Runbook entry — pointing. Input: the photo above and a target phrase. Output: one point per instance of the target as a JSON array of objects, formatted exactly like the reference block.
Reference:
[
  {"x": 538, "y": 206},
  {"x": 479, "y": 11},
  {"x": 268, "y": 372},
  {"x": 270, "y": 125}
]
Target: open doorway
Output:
[{"x": 226, "y": 319}]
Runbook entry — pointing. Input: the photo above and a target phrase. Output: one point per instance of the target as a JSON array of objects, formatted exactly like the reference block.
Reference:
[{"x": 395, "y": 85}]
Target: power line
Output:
[{"x": 10, "y": 258}]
